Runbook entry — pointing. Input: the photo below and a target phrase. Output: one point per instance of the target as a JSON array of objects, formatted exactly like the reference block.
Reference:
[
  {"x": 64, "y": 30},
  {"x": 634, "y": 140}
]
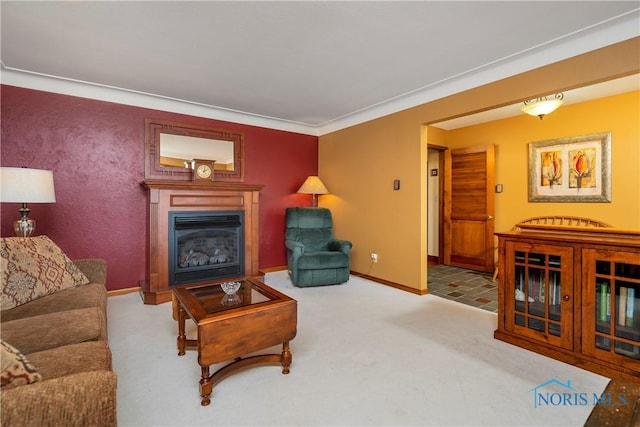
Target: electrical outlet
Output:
[{"x": 374, "y": 257}]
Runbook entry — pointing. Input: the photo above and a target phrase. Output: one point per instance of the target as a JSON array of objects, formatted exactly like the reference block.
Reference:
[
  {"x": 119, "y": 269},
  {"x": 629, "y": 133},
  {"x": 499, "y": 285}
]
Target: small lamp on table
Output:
[{"x": 24, "y": 185}]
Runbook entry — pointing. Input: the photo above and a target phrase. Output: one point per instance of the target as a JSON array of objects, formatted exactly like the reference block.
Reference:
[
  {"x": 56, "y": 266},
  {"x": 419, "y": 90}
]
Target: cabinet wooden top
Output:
[{"x": 593, "y": 235}]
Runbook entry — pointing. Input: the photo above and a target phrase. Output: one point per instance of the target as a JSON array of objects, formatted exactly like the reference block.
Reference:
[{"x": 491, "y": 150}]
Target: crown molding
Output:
[
  {"x": 616, "y": 30},
  {"x": 29, "y": 80}
]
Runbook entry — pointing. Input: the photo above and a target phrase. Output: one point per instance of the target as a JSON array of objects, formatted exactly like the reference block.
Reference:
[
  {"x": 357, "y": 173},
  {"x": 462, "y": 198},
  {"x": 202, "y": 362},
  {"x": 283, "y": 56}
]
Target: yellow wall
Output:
[
  {"x": 619, "y": 115},
  {"x": 360, "y": 163}
]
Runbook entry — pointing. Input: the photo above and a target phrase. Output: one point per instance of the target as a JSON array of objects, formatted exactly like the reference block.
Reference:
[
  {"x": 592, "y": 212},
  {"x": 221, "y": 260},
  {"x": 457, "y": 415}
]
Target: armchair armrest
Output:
[
  {"x": 84, "y": 399},
  {"x": 296, "y": 247},
  {"x": 343, "y": 246}
]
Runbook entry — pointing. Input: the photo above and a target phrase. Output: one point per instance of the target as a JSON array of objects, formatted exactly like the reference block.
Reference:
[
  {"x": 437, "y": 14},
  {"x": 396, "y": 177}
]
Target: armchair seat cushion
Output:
[
  {"x": 322, "y": 260},
  {"x": 327, "y": 276}
]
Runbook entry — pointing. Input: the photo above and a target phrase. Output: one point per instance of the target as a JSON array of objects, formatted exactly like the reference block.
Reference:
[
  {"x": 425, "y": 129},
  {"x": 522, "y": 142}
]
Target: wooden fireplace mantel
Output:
[{"x": 167, "y": 196}]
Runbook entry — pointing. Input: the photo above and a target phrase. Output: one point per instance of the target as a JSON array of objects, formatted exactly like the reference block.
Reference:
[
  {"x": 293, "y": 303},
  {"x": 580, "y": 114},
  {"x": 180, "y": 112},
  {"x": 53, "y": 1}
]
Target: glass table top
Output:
[{"x": 212, "y": 298}]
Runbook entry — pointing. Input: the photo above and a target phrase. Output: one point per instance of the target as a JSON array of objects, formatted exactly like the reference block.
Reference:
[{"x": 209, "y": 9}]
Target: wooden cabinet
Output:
[
  {"x": 572, "y": 294},
  {"x": 541, "y": 293},
  {"x": 612, "y": 320}
]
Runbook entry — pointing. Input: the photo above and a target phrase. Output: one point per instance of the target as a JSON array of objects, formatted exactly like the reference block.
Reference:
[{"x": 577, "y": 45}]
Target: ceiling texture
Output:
[{"x": 304, "y": 66}]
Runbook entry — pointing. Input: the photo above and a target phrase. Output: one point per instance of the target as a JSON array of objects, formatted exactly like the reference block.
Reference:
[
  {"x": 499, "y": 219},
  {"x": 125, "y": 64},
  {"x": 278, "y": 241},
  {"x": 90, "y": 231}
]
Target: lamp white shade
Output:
[
  {"x": 24, "y": 185},
  {"x": 313, "y": 185}
]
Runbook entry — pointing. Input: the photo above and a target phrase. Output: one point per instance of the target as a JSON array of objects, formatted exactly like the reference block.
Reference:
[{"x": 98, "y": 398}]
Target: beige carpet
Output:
[{"x": 365, "y": 354}]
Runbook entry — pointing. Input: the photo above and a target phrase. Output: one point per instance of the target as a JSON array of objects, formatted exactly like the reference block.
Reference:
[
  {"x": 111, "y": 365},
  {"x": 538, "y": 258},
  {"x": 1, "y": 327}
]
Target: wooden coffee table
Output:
[{"x": 230, "y": 327}]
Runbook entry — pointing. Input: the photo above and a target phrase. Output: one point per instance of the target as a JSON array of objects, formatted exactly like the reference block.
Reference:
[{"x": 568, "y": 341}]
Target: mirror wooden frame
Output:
[{"x": 154, "y": 170}]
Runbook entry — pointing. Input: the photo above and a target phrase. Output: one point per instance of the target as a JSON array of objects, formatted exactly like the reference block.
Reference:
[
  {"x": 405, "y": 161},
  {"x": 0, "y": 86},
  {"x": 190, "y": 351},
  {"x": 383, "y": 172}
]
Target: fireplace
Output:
[
  {"x": 202, "y": 202},
  {"x": 205, "y": 246}
]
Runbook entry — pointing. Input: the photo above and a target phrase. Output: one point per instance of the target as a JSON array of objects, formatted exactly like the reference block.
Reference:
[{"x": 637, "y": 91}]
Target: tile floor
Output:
[{"x": 469, "y": 287}]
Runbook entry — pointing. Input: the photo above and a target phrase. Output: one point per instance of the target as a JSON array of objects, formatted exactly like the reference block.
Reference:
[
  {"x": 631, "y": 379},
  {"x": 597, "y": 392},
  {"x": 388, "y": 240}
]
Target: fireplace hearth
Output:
[{"x": 205, "y": 246}]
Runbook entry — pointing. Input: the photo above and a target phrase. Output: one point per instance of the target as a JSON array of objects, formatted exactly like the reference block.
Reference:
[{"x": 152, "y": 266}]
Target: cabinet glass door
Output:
[
  {"x": 542, "y": 292},
  {"x": 616, "y": 287}
]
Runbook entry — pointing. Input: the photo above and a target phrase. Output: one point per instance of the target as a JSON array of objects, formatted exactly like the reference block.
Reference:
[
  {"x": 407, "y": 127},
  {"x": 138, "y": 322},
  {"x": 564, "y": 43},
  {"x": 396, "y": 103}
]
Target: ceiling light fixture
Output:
[{"x": 542, "y": 106}]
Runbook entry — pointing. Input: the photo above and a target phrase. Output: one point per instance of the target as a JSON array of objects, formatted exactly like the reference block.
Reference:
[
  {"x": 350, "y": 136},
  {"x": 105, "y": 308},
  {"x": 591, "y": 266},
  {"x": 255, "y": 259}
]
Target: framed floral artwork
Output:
[{"x": 573, "y": 169}]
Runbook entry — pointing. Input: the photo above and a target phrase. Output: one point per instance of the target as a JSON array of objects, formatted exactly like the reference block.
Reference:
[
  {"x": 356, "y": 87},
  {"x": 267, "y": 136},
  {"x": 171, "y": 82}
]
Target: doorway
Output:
[
  {"x": 473, "y": 287},
  {"x": 435, "y": 205},
  {"x": 460, "y": 207}
]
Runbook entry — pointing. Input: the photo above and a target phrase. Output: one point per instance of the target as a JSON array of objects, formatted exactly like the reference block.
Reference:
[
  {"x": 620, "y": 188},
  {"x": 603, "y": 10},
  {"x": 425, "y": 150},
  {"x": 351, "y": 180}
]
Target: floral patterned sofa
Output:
[{"x": 56, "y": 362}]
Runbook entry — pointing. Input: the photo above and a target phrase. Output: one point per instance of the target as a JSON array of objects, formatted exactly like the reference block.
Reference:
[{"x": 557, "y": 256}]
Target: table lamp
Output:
[
  {"x": 313, "y": 185},
  {"x": 24, "y": 185}
]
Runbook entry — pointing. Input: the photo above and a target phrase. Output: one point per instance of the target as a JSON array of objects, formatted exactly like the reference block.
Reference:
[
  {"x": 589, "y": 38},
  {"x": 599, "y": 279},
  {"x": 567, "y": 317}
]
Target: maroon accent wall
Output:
[{"x": 96, "y": 152}]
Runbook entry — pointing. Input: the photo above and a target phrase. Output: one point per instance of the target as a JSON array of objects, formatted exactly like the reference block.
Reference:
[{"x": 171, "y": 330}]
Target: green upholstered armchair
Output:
[{"x": 314, "y": 256}]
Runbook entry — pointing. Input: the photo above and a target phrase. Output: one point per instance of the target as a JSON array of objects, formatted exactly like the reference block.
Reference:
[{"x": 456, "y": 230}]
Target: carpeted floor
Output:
[{"x": 365, "y": 355}]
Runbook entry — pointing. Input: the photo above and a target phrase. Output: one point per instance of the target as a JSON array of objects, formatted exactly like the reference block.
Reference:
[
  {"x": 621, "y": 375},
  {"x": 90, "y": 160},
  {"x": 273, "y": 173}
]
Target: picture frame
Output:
[{"x": 571, "y": 170}]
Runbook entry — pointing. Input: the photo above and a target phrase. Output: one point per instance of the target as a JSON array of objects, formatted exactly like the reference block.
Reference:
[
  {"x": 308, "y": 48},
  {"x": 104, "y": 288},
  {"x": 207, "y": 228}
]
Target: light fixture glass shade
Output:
[
  {"x": 313, "y": 185},
  {"x": 23, "y": 185},
  {"x": 542, "y": 106}
]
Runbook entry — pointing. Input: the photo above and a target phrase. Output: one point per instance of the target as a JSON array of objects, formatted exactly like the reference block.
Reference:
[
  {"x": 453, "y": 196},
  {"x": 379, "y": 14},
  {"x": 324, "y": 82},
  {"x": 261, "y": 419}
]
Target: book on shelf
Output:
[
  {"x": 630, "y": 306},
  {"x": 520, "y": 283},
  {"x": 627, "y": 349},
  {"x": 604, "y": 313},
  {"x": 622, "y": 306},
  {"x": 627, "y": 306},
  {"x": 554, "y": 288},
  {"x": 537, "y": 285}
]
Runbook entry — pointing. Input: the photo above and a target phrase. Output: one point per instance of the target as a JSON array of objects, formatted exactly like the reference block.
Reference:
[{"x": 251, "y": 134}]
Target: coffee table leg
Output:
[
  {"x": 206, "y": 386},
  {"x": 286, "y": 357},
  {"x": 182, "y": 338}
]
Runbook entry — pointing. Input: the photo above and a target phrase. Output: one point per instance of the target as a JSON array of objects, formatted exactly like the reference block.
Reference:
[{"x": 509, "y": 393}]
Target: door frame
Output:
[{"x": 441, "y": 164}]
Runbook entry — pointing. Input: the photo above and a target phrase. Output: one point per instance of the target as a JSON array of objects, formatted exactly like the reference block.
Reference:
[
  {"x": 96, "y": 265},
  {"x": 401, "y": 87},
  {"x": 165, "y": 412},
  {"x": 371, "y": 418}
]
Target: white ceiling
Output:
[{"x": 304, "y": 66}]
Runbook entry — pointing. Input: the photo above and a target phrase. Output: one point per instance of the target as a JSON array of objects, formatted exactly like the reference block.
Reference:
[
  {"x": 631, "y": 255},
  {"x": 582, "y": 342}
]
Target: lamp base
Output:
[{"x": 24, "y": 227}]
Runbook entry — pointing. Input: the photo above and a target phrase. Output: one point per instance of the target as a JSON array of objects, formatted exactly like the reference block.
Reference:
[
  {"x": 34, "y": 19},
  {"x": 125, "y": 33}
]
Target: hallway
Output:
[{"x": 470, "y": 287}]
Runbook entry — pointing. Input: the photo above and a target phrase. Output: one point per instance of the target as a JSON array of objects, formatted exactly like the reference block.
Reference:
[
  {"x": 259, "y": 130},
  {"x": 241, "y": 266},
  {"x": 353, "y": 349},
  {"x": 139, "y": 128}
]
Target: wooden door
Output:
[{"x": 469, "y": 208}]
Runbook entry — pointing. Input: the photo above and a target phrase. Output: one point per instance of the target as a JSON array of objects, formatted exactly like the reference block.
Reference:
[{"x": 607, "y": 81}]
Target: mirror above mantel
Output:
[{"x": 170, "y": 147}]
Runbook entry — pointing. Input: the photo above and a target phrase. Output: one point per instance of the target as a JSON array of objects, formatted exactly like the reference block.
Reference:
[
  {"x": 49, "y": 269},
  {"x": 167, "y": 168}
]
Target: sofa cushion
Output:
[
  {"x": 16, "y": 369},
  {"x": 37, "y": 333},
  {"x": 85, "y": 399},
  {"x": 71, "y": 359},
  {"x": 85, "y": 296},
  {"x": 33, "y": 267}
]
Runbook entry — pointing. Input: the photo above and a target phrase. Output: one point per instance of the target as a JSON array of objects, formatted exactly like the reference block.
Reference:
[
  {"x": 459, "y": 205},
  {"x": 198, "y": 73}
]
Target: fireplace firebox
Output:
[{"x": 205, "y": 246}]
